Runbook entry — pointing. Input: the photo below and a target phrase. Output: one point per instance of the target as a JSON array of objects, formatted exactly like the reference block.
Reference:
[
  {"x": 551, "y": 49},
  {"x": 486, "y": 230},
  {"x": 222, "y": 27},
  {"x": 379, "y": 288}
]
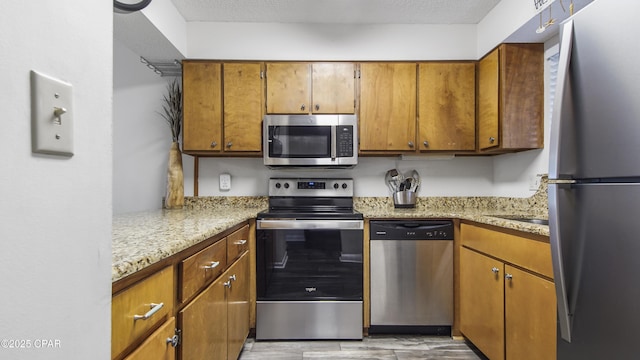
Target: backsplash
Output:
[{"x": 535, "y": 205}]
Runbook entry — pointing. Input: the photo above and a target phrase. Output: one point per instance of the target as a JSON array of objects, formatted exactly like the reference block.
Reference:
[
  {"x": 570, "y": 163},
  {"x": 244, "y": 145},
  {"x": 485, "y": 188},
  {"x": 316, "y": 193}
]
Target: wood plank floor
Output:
[{"x": 375, "y": 347}]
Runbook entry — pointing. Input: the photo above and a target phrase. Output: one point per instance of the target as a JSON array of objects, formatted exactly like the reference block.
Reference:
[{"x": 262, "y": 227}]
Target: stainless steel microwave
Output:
[{"x": 310, "y": 140}]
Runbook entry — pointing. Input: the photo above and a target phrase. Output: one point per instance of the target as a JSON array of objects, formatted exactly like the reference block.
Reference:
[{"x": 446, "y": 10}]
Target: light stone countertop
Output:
[{"x": 141, "y": 239}]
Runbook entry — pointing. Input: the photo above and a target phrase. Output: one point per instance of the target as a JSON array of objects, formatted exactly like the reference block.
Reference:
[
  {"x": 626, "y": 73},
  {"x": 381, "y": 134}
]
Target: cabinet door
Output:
[
  {"x": 202, "y": 110},
  {"x": 387, "y": 106},
  {"x": 243, "y": 106},
  {"x": 156, "y": 346},
  {"x": 446, "y": 106},
  {"x": 488, "y": 88},
  {"x": 238, "y": 306},
  {"x": 333, "y": 88},
  {"x": 530, "y": 316},
  {"x": 288, "y": 88},
  {"x": 204, "y": 324},
  {"x": 522, "y": 96},
  {"x": 482, "y": 302}
]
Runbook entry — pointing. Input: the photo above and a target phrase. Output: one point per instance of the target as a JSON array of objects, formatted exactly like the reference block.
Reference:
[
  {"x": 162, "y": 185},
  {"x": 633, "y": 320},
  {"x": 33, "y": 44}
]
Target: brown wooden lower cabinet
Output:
[
  {"x": 203, "y": 296},
  {"x": 139, "y": 310},
  {"x": 507, "y": 309},
  {"x": 215, "y": 324},
  {"x": 157, "y": 346},
  {"x": 481, "y": 302}
]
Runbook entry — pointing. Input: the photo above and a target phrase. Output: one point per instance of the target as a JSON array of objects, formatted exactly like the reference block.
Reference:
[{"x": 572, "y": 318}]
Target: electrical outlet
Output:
[
  {"x": 534, "y": 182},
  {"x": 225, "y": 182}
]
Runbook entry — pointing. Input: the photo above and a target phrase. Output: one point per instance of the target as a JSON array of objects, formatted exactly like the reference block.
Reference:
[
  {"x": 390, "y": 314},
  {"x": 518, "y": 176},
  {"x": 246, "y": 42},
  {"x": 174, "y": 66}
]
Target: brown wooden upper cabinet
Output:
[
  {"x": 387, "y": 107},
  {"x": 310, "y": 88},
  {"x": 511, "y": 98},
  {"x": 222, "y": 119},
  {"x": 243, "y": 106},
  {"x": 202, "y": 106},
  {"x": 446, "y": 106}
]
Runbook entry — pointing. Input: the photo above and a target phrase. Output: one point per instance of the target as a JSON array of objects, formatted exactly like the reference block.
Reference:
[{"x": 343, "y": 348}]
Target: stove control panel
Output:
[{"x": 311, "y": 187}]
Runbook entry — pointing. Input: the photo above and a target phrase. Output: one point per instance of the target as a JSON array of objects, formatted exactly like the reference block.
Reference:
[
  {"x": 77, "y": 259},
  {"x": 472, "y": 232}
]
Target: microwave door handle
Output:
[{"x": 333, "y": 143}]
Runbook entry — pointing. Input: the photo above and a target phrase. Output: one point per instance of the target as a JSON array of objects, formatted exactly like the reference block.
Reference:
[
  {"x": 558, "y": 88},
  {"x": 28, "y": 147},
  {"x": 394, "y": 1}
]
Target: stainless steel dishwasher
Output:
[{"x": 411, "y": 276}]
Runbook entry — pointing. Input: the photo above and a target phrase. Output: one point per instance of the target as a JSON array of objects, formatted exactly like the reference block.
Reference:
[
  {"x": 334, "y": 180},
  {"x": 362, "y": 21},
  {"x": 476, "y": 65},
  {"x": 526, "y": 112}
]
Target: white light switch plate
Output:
[
  {"x": 51, "y": 115},
  {"x": 225, "y": 182}
]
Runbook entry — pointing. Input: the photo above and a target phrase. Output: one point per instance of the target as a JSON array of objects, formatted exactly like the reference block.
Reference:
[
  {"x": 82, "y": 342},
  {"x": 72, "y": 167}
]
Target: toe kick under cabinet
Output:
[
  {"x": 197, "y": 305},
  {"x": 507, "y": 295}
]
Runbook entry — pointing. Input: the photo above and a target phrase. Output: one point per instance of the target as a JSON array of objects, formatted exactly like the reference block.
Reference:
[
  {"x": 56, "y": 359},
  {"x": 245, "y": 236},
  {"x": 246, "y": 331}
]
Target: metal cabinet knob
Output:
[
  {"x": 317, "y": 107},
  {"x": 508, "y": 276},
  {"x": 495, "y": 270},
  {"x": 425, "y": 143},
  {"x": 214, "y": 144},
  {"x": 492, "y": 140},
  {"x": 229, "y": 144},
  {"x": 173, "y": 340},
  {"x": 227, "y": 284},
  {"x": 410, "y": 144},
  {"x": 302, "y": 107},
  {"x": 232, "y": 277}
]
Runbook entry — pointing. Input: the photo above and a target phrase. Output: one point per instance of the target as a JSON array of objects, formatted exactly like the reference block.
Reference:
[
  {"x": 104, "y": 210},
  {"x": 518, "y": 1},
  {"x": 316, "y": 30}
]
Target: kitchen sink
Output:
[{"x": 526, "y": 219}]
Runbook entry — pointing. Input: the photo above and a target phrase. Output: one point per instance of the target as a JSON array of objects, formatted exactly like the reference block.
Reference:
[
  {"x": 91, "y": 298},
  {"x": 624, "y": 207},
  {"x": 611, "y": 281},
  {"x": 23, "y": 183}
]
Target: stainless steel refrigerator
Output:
[{"x": 594, "y": 191}]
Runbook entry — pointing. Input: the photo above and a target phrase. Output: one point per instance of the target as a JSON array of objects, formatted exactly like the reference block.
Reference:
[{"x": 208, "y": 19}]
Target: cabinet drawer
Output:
[
  {"x": 138, "y": 309},
  {"x": 156, "y": 346},
  {"x": 237, "y": 243},
  {"x": 199, "y": 269},
  {"x": 530, "y": 252}
]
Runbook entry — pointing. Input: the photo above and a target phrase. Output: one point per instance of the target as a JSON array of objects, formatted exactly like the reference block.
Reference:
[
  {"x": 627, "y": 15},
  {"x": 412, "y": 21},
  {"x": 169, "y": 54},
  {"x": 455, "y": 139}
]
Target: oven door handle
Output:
[{"x": 310, "y": 224}]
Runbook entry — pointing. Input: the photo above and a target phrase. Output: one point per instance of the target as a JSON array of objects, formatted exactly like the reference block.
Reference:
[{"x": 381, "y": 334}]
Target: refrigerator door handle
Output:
[
  {"x": 562, "y": 109},
  {"x": 564, "y": 315}
]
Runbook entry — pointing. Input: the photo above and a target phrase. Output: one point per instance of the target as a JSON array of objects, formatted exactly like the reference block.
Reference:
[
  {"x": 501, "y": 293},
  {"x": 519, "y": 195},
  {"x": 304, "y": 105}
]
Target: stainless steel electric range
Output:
[{"x": 309, "y": 261}]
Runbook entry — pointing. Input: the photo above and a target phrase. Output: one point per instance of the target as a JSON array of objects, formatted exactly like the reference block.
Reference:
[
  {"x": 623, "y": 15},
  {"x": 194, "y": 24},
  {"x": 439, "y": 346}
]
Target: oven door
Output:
[{"x": 300, "y": 260}]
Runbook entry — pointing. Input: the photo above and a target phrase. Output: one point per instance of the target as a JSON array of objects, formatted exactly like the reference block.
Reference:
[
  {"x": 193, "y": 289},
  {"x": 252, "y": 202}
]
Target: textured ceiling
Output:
[{"x": 337, "y": 11}]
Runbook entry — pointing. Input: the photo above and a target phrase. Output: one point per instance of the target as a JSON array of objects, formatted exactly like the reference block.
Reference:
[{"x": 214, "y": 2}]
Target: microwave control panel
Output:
[{"x": 344, "y": 140}]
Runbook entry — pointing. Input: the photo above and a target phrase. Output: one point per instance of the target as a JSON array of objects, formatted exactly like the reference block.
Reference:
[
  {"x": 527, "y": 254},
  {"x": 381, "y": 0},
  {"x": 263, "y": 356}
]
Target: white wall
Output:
[
  {"x": 141, "y": 136},
  {"x": 269, "y": 41},
  {"x": 454, "y": 177},
  {"x": 55, "y": 212}
]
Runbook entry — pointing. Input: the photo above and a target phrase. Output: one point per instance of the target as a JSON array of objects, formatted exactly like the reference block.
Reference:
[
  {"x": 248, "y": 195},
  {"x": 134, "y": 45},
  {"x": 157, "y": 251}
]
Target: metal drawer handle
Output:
[
  {"x": 154, "y": 309},
  {"x": 214, "y": 264},
  {"x": 495, "y": 270},
  {"x": 240, "y": 242}
]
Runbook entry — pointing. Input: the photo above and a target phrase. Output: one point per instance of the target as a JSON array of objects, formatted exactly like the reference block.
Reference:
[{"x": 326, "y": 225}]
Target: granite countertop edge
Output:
[{"x": 142, "y": 239}]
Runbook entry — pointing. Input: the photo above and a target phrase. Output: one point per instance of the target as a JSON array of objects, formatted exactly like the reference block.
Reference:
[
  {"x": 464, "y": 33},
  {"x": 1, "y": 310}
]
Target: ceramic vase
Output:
[{"x": 174, "y": 198}]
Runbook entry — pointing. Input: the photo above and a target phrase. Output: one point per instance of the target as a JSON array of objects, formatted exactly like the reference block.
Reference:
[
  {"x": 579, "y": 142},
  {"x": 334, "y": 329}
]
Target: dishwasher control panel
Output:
[{"x": 411, "y": 230}]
